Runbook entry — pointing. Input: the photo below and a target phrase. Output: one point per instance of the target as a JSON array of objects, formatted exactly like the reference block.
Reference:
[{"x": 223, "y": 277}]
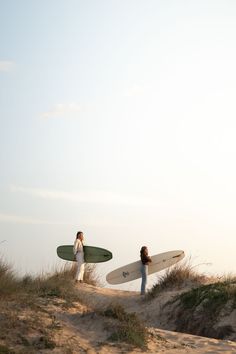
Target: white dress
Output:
[{"x": 79, "y": 254}]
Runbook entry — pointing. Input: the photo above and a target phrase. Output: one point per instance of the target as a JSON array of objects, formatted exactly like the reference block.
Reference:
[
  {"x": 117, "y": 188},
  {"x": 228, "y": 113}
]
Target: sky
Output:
[{"x": 117, "y": 118}]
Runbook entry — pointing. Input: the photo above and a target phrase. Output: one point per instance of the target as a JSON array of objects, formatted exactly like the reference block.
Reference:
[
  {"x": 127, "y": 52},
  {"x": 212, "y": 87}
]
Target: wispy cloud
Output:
[
  {"x": 97, "y": 197},
  {"x": 67, "y": 110},
  {"x": 135, "y": 90},
  {"x": 16, "y": 219},
  {"x": 6, "y": 65}
]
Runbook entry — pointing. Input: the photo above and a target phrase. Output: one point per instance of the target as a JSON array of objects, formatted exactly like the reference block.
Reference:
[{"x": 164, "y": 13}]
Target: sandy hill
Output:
[{"x": 49, "y": 324}]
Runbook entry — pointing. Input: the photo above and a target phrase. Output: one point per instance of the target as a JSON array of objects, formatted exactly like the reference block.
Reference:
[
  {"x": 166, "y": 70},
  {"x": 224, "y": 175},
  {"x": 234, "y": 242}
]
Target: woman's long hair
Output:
[
  {"x": 78, "y": 234},
  {"x": 143, "y": 251}
]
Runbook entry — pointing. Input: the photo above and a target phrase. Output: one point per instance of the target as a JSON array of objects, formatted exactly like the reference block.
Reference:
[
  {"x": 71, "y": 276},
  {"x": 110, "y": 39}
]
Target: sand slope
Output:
[
  {"x": 91, "y": 328},
  {"x": 51, "y": 326}
]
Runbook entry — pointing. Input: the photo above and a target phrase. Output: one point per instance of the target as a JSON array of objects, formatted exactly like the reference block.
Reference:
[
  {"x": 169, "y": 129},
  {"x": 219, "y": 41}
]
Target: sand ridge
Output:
[
  {"x": 51, "y": 325},
  {"x": 92, "y": 330}
]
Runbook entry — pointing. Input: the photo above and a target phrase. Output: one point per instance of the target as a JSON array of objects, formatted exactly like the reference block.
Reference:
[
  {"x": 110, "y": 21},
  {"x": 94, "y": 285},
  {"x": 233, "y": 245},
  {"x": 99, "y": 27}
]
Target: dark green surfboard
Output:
[{"x": 91, "y": 254}]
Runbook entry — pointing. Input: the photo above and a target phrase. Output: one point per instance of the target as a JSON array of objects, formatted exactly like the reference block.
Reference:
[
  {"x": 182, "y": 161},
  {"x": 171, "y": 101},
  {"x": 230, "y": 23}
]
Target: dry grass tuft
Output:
[
  {"x": 59, "y": 283},
  {"x": 8, "y": 280},
  {"x": 27, "y": 318},
  {"x": 181, "y": 275}
]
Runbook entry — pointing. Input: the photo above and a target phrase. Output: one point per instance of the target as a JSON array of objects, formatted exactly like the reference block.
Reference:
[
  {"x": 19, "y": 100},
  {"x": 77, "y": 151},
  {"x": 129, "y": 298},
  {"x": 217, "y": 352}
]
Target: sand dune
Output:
[
  {"x": 91, "y": 328},
  {"x": 51, "y": 325}
]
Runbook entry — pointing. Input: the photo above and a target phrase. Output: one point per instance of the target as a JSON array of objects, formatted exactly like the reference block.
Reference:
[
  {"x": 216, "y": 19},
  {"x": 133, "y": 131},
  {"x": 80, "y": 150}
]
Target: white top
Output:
[{"x": 78, "y": 247}]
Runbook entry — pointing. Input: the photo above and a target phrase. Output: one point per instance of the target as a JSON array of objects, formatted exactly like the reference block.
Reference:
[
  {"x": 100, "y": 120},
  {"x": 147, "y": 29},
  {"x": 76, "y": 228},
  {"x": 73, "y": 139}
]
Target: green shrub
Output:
[
  {"x": 212, "y": 296},
  {"x": 130, "y": 328},
  {"x": 197, "y": 310}
]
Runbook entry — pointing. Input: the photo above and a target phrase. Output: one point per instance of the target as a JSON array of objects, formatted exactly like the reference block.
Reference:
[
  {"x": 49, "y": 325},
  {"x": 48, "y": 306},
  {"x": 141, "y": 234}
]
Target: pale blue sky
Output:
[{"x": 118, "y": 118}]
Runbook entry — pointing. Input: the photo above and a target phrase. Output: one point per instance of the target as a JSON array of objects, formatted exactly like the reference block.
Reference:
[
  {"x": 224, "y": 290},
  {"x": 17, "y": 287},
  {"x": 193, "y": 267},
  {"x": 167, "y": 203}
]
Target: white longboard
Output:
[{"x": 132, "y": 271}]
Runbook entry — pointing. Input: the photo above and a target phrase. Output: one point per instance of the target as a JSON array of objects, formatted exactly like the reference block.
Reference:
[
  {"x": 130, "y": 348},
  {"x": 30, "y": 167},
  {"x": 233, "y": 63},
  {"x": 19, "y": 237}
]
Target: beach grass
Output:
[
  {"x": 180, "y": 275},
  {"x": 57, "y": 283}
]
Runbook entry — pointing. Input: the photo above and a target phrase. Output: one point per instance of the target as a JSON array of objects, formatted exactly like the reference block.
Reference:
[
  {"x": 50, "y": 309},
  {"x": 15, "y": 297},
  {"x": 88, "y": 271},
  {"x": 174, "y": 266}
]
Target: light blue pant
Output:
[{"x": 144, "y": 272}]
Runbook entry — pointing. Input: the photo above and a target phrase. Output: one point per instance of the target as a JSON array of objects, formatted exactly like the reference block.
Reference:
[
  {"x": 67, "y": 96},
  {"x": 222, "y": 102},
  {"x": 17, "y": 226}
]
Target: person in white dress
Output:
[{"x": 79, "y": 254}]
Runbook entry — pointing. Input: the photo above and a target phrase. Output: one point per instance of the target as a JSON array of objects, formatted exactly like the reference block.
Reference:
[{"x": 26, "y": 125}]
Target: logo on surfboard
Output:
[{"x": 125, "y": 274}]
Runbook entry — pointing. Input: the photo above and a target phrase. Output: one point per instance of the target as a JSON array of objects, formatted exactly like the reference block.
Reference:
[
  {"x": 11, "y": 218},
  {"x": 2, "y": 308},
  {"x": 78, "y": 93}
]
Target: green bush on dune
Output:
[
  {"x": 200, "y": 310},
  {"x": 201, "y": 303},
  {"x": 212, "y": 296},
  {"x": 130, "y": 329}
]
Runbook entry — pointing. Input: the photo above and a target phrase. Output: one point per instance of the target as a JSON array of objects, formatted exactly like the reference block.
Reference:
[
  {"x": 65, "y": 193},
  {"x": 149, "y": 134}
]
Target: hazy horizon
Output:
[{"x": 118, "y": 119}]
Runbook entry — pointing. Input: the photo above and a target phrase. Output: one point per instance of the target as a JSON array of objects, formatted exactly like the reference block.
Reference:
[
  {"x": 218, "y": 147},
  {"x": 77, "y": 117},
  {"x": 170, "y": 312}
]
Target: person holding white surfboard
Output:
[
  {"x": 79, "y": 254},
  {"x": 145, "y": 260}
]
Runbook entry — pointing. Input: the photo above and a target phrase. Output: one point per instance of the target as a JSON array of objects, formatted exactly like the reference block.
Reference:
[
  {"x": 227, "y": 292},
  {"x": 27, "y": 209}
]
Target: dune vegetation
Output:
[
  {"x": 51, "y": 313},
  {"x": 202, "y": 305},
  {"x": 181, "y": 275},
  {"x": 23, "y": 301},
  {"x": 58, "y": 283},
  {"x": 26, "y": 305},
  {"x": 130, "y": 328}
]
